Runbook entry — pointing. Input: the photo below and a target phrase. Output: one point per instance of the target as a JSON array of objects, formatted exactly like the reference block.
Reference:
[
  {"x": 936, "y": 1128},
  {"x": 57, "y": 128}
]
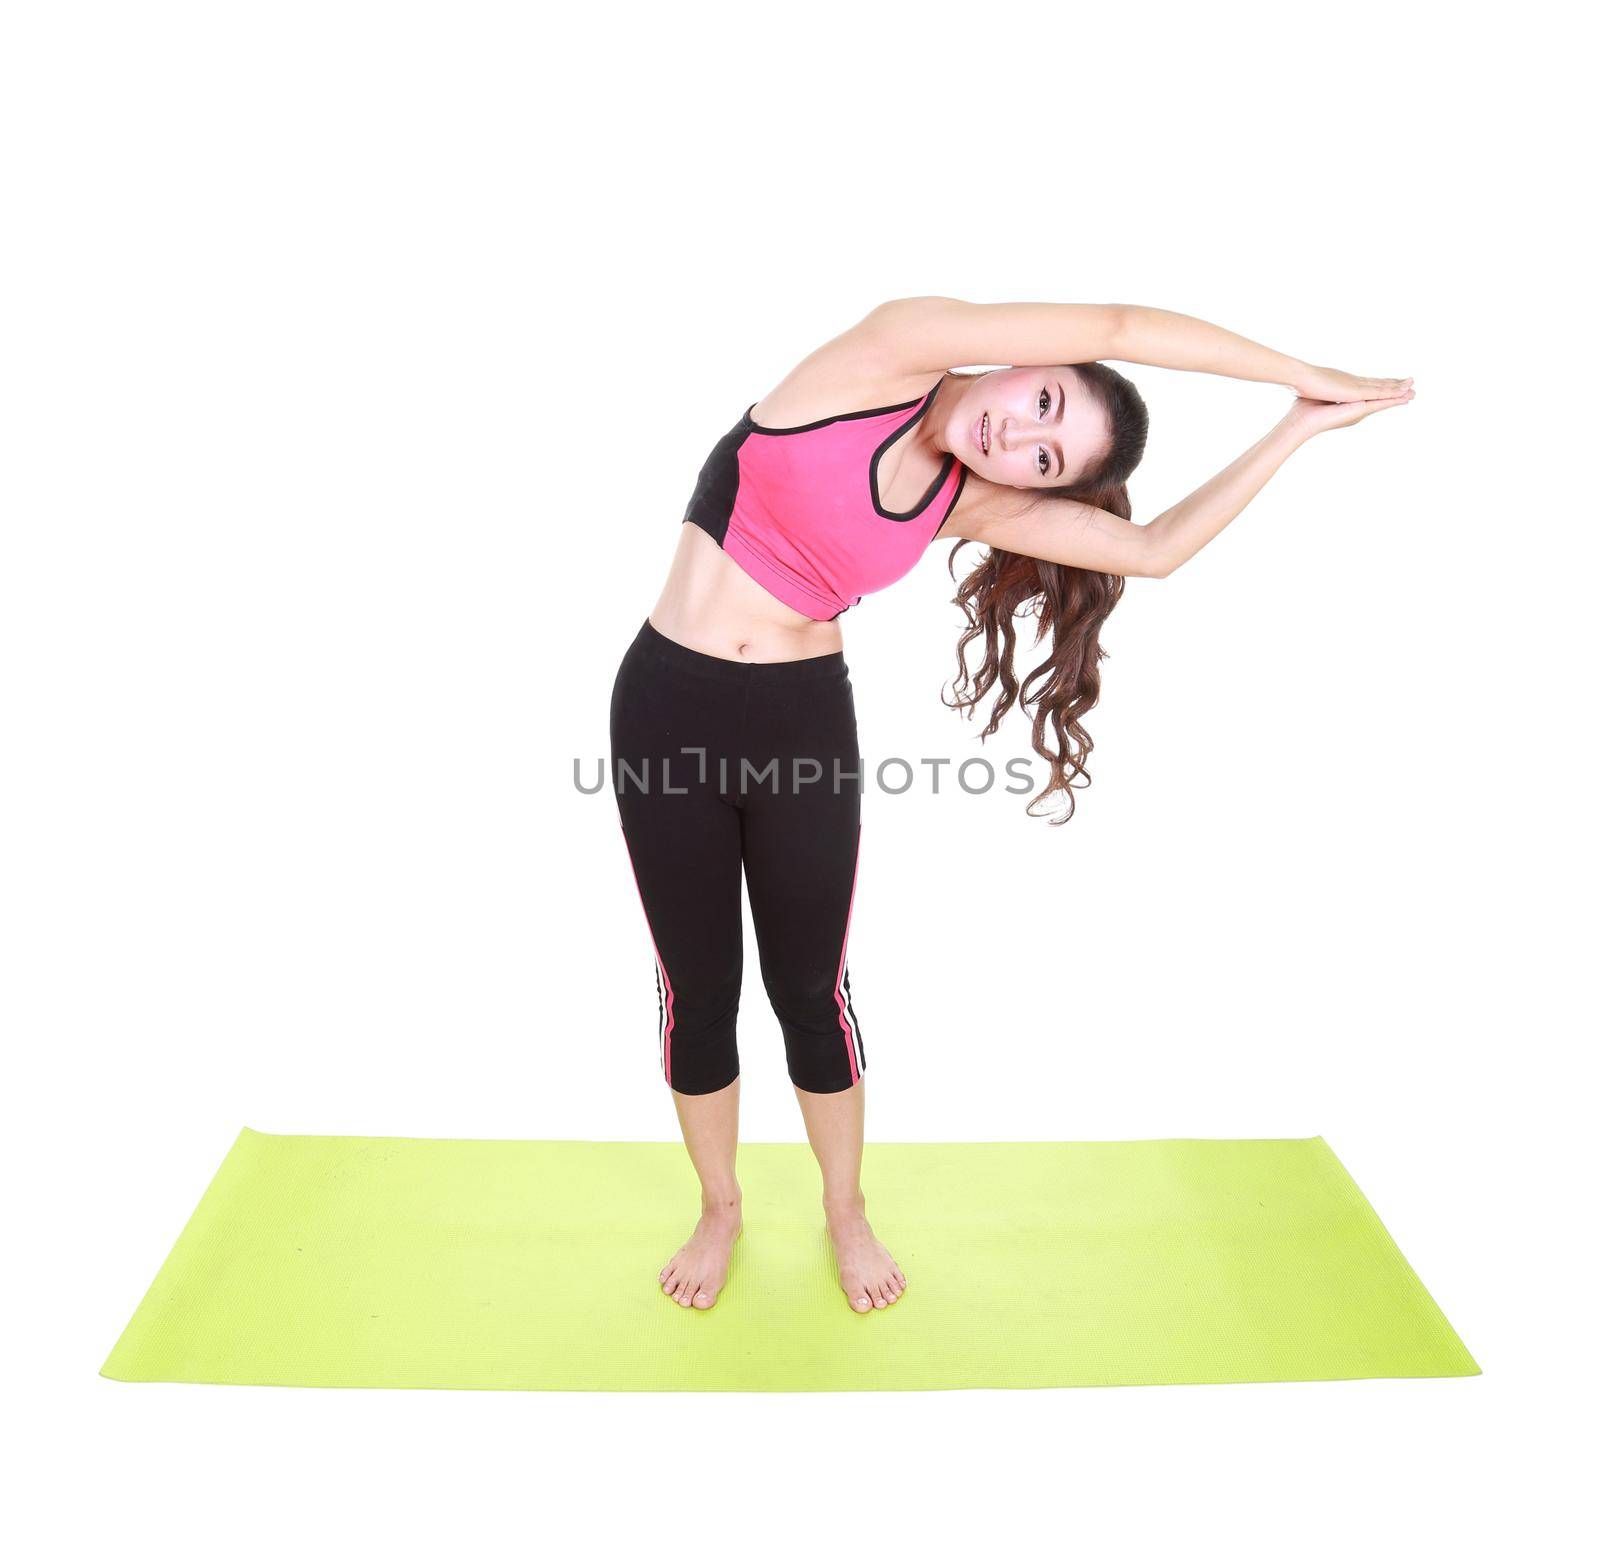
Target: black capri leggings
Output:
[{"x": 716, "y": 765}]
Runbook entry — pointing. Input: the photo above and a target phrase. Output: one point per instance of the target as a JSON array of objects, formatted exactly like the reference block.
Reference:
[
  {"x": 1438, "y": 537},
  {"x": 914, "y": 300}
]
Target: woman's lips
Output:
[{"x": 983, "y": 433}]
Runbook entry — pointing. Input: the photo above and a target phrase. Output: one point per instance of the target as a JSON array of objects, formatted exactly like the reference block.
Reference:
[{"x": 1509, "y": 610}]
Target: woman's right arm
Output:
[
  {"x": 1060, "y": 530},
  {"x": 936, "y": 332}
]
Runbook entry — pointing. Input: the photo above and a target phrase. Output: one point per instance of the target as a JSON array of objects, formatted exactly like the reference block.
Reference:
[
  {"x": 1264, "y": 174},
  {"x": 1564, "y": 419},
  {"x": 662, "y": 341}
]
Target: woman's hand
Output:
[
  {"x": 1310, "y": 417},
  {"x": 1327, "y": 385}
]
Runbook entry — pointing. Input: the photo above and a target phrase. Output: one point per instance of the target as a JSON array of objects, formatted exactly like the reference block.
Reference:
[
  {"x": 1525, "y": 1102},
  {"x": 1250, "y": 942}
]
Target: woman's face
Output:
[{"x": 1029, "y": 426}]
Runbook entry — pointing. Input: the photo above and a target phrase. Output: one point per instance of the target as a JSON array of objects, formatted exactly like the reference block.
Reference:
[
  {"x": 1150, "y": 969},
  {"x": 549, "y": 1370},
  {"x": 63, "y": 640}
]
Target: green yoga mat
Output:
[{"x": 343, "y": 1261}]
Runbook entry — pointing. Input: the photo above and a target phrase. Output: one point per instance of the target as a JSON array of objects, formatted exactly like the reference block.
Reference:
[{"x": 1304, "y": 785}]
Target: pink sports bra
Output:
[{"x": 798, "y": 508}]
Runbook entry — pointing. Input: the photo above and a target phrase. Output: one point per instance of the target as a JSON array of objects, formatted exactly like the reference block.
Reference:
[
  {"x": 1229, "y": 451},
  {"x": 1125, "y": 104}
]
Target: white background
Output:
[{"x": 358, "y": 362}]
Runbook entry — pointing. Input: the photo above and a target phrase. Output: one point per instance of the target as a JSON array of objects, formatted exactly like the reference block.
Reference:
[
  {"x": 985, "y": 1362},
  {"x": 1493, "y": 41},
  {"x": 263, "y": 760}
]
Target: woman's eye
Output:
[
  {"x": 1044, "y": 401},
  {"x": 1044, "y": 462}
]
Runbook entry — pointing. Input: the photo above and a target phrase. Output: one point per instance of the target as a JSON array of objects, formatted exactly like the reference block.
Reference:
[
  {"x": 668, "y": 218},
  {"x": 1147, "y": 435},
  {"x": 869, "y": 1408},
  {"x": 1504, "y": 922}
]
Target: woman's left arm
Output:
[
  {"x": 1061, "y": 530},
  {"x": 933, "y": 332}
]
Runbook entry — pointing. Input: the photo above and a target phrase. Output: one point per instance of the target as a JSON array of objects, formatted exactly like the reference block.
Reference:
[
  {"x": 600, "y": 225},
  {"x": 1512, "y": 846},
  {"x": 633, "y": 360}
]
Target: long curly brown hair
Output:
[{"x": 1070, "y": 605}]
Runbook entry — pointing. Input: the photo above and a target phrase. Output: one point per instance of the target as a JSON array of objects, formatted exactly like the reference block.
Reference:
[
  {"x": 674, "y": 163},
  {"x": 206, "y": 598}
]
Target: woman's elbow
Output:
[
  {"x": 1158, "y": 560},
  {"x": 909, "y": 305},
  {"x": 900, "y": 317},
  {"x": 1122, "y": 321}
]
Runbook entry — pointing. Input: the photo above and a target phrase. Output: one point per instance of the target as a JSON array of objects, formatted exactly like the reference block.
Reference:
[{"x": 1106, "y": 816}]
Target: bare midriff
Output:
[{"x": 710, "y": 604}]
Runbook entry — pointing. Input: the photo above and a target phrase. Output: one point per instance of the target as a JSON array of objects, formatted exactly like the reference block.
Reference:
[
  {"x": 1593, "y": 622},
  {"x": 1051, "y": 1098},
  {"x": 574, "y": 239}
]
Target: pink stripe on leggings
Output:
[
  {"x": 666, "y": 980},
  {"x": 838, "y": 979}
]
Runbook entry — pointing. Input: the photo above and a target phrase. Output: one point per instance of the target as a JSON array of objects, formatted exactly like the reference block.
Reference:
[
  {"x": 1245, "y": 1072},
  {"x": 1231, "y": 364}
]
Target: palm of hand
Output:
[
  {"x": 1329, "y": 385},
  {"x": 1316, "y": 416}
]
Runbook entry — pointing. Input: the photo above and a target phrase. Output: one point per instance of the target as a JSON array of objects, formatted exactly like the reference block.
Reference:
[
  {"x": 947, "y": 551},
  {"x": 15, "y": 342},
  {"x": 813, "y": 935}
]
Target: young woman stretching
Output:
[{"x": 733, "y": 731}]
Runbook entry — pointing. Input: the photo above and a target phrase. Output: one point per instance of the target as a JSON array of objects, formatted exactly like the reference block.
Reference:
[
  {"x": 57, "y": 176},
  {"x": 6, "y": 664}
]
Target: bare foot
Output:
[
  {"x": 697, "y": 1272},
  {"x": 867, "y": 1270}
]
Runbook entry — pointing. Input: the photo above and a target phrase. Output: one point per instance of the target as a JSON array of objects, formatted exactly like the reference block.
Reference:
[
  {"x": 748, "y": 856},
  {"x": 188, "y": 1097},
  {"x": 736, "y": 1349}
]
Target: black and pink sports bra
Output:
[{"x": 798, "y": 508}]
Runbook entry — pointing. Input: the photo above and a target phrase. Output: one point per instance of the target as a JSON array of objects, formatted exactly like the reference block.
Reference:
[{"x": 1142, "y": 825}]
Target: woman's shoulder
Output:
[{"x": 848, "y": 374}]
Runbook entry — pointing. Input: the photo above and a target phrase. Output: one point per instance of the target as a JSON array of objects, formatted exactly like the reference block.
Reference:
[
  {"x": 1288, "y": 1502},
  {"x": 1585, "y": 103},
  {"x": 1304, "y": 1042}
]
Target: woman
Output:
[{"x": 732, "y": 725}]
